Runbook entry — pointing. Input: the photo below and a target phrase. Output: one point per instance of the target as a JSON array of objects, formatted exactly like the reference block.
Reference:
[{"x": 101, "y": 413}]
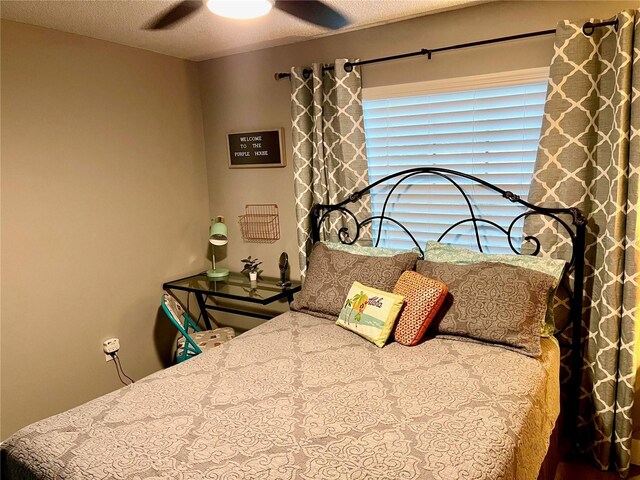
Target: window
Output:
[{"x": 487, "y": 126}]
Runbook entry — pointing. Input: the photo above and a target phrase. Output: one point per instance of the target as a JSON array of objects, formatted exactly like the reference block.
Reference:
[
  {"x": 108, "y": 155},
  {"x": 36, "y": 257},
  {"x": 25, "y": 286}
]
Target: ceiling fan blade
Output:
[
  {"x": 175, "y": 14},
  {"x": 313, "y": 11}
]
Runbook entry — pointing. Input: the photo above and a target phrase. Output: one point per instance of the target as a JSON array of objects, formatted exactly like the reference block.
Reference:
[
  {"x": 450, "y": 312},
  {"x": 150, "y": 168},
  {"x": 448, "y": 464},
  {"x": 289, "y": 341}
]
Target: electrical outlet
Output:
[{"x": 109, "y": 347}]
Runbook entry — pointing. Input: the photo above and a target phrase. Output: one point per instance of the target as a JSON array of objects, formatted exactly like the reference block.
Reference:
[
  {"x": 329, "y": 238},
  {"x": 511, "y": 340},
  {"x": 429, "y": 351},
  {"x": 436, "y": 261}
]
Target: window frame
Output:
[{"x": 456, "y": 84}]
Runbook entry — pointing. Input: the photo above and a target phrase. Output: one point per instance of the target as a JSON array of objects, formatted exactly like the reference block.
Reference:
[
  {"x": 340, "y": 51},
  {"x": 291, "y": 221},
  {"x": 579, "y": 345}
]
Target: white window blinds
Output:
[{"x": 491, "y": 133}]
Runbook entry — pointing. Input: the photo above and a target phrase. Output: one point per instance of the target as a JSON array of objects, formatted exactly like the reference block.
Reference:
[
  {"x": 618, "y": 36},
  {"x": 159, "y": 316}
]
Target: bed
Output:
[{"x": 300, "y": 398}]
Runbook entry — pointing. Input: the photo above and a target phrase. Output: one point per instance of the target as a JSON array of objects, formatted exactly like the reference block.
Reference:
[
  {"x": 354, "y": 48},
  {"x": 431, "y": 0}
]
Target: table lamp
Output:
[{"x": 217, "y": 237}]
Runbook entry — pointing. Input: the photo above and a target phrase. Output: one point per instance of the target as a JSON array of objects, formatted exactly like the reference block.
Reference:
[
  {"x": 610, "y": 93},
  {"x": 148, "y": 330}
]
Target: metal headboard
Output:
[{"x": 570, "y": 220}]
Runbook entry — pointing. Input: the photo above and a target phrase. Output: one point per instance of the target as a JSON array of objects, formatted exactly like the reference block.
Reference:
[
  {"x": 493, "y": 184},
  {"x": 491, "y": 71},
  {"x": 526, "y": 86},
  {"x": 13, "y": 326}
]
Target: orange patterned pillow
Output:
[{"x": 423, "y": 297}]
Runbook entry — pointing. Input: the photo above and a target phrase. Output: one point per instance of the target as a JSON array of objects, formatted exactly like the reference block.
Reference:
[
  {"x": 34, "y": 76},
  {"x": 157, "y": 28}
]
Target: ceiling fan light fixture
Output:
[{"x": 240, "y": 9}]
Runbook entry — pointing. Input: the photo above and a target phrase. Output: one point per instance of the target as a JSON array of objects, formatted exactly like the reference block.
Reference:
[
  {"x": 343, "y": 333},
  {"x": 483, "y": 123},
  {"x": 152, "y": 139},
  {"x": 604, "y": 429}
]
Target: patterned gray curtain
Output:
[
  {"x": 329, "y": 151},
  {"x": 589, "y": 157}
]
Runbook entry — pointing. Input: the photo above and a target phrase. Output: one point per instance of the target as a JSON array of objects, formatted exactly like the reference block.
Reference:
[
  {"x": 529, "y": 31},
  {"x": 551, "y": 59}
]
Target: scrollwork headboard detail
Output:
[{"x": 570, "y": 220}]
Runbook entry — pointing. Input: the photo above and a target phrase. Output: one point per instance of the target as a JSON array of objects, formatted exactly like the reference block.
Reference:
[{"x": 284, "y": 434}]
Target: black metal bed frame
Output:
[{"x": 321, "y": 213}]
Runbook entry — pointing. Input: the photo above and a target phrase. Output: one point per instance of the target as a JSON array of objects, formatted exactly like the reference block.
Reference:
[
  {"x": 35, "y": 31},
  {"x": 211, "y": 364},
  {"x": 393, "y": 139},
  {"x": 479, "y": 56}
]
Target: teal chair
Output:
[{"x": 192, "y": 340}]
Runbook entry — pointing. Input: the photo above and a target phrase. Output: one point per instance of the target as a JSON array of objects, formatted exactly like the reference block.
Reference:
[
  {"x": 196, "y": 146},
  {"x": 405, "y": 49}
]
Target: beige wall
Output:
[
  {"x": 239, "y": 92},
  {"x": 104, "y": 197}
]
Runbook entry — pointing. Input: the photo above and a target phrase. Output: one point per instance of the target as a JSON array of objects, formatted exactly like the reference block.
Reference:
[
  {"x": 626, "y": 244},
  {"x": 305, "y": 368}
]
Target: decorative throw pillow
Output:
[
  {"x": 442, "y": 252},
  {"x": 423, "y": 297},
  {"x": 369, "y": 312},
  {"x": 492, "y": 302},
  {"x": 331, "y": 273},
  {"x": 371, "y": 251}
]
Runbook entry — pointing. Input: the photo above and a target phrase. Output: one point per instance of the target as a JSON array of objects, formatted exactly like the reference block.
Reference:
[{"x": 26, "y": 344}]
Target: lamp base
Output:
[{"x": 218, "y": 273}]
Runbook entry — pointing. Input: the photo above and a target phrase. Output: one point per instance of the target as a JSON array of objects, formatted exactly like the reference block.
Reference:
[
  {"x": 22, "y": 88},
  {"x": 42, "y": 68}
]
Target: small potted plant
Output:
[{"x": 251, "y": 267}]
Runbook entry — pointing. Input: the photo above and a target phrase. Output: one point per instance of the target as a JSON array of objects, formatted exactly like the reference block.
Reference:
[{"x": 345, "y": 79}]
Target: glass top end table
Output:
[{"x": 235, "y": 286}]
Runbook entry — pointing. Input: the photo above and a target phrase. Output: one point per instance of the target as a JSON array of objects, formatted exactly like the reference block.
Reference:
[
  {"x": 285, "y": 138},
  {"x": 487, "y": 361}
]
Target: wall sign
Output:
[{"x": 256, "y": 149}]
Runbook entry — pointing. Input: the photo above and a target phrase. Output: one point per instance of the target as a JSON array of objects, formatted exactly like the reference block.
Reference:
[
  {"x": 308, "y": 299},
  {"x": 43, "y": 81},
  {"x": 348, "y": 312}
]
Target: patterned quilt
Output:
[{"x": 301, "y": 398}]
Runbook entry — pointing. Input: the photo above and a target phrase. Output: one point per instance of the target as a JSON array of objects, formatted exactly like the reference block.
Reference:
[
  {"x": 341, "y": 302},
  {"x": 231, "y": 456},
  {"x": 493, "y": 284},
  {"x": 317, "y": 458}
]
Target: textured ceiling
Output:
[{"x": 205, "y": 35}]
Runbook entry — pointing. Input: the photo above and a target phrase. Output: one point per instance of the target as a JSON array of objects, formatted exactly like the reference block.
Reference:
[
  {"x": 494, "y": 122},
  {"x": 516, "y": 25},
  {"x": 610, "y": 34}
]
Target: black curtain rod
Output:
[{"x": 588, "y": 29}]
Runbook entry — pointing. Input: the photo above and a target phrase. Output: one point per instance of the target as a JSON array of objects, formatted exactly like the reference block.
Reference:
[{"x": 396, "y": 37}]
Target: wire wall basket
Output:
[{"x": 260, "y": 223}]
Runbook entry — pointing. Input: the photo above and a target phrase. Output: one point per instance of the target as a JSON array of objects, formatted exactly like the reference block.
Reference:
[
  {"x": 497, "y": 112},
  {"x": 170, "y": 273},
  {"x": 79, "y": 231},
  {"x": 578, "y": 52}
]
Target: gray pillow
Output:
[
  {"x": 331, "y": 273},
  {"x": 443, "y": 252},
  {"x": 491, "y": 302}
]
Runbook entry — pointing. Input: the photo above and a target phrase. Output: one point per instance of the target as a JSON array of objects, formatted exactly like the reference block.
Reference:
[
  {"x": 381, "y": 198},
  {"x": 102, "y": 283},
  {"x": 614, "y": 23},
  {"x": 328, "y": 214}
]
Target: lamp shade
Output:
[
  {"x": 217, "y": 238},
  {"x": 218, "y": 232}
]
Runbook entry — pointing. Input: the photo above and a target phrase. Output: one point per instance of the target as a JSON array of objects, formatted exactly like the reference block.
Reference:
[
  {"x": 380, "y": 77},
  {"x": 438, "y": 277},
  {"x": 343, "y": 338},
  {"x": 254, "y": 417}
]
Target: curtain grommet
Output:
[
  {"x": 588, "y": 29},
  {"x": 348, "y": 67}
]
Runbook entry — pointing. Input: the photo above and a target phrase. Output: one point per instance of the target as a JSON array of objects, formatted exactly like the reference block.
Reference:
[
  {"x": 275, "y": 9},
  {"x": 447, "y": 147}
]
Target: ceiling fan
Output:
[{"x": 312, "y": 11}]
